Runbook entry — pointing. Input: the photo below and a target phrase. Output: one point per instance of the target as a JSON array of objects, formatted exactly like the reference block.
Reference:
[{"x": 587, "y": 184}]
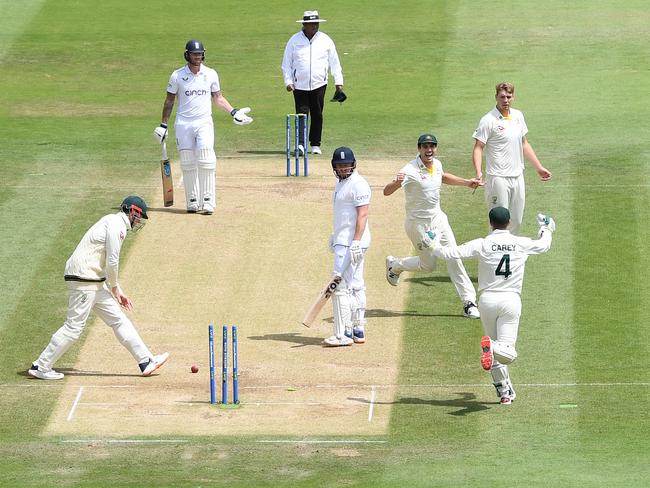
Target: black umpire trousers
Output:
[{"x": 311, "y": 102}]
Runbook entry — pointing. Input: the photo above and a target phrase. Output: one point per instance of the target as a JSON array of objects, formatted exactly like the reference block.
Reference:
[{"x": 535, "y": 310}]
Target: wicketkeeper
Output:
[{"x": 502, "y": 257}]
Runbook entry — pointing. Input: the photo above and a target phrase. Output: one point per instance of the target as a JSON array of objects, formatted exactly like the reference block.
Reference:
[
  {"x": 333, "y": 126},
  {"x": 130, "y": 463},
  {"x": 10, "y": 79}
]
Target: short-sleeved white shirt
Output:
[
  {"x": 502, "y": 258},
  {"x": 503, "y": 139},
  {"x": 422, "y": 189},
  {"x": 349, "y": 194},
  {"x": 194, "y": 91}
]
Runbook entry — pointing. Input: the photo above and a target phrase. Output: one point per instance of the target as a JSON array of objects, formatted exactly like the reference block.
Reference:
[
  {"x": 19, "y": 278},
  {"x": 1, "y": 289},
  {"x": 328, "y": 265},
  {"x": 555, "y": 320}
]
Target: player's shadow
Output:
[
  {"x": 173, "y": 210},
  {"x": 263, "y": 151},
  {"x": 290, "y": 337},
  {"x": 465, "y": 404},
  {"x": 430, "y": 280},
  {"x": 77, "y": 372},
  {"x": 383, "y": 313}
]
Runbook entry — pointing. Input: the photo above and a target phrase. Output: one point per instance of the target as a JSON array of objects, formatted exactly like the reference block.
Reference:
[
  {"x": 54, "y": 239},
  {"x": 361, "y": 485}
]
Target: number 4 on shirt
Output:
[{"x": 503, "y": 268}]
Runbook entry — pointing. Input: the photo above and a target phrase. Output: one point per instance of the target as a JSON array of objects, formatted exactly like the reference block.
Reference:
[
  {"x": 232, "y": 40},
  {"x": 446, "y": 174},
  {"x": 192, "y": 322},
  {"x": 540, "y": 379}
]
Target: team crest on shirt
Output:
[
  {"x": 121, "y": 235},
  {"x": 500, "y": 128}
]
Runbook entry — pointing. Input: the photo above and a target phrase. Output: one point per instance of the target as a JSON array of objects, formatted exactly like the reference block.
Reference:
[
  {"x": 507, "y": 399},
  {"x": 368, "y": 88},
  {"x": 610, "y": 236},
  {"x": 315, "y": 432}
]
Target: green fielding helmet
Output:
[{"x": 132, "y": 200}]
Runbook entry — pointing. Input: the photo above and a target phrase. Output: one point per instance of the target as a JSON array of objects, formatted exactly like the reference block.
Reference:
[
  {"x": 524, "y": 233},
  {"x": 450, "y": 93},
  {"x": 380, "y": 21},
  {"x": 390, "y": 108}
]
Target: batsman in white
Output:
[
  {"x": 91, "y": 275},
  {"x": 501, "y": 133},
  {"x": 422, "y": 180},
  {"x": 502, "y": 257},
  {"x": 196, "y": 87},
  {"x": 349, "y": 243}
]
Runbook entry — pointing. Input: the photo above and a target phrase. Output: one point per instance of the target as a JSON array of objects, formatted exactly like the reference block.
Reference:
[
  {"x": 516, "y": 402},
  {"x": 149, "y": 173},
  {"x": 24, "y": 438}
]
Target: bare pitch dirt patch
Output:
[{"x": 258, "y": 262}]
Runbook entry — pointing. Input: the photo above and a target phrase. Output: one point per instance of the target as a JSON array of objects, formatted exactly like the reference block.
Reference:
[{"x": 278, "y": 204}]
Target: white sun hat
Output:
[{"x": 310, "y": 16}]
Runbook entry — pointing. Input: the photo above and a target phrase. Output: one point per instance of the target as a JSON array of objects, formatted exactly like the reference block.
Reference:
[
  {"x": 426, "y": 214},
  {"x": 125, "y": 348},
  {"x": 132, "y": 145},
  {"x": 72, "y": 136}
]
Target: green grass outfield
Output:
[{"x": 82, "y": 88}]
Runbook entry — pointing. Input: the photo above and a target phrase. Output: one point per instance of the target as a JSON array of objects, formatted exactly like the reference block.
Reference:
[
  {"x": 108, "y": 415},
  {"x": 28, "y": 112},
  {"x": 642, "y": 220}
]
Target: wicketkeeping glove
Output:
[
  {"x": 160, "y": 133},
  {"x": 429, "y": 240},
  {"x": 239, "y": 116},
  {"x": 355, "y": 252},
  {"x": 545, "y": 222}
]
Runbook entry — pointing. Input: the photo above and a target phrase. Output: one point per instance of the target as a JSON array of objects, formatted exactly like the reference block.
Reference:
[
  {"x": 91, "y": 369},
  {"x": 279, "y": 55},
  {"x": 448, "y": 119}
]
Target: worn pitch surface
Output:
[{"x": 258, "y": 262}]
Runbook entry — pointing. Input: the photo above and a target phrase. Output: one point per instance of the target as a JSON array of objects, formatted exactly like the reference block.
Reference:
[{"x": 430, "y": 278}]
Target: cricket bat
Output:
[
  {"x": 166, "y": 173},
  {"x": 331, "y": 287}
]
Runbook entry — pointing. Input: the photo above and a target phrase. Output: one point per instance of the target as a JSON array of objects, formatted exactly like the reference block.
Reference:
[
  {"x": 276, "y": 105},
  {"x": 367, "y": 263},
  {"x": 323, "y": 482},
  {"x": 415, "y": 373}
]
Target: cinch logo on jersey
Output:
[{"x": 199, "y": 93}]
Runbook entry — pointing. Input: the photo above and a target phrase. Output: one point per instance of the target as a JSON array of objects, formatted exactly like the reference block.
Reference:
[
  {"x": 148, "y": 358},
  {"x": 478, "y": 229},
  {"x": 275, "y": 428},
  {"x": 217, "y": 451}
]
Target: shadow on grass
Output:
[
  {"x": 77, "y": 372},
  {"x": 264, "y": 151},
  {"x": 466, "y": 404},
  {"x": 429, "y": 280},
  {"x": 290, "y": 337},
  {"x": 383, "y": 313}
]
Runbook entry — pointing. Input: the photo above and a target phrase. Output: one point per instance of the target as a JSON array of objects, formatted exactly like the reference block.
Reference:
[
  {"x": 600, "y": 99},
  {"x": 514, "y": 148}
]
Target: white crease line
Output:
[
  {"x": 315, "y": 441},
  {"x": 262, "y": 404},
  {"x": 294, "y": 388},
  {"x": 123, "y": 441},
  {"x": 76, "y": 402},
  {"x": 372, "y": 403}
]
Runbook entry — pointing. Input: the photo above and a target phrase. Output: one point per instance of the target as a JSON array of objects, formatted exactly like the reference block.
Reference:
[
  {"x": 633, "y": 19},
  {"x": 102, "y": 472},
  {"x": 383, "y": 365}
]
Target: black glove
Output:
[{"x": 339, "y": 96}]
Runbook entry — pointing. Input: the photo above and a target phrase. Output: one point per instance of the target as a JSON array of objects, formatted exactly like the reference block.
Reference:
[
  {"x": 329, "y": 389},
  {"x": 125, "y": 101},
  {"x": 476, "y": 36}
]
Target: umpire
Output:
[{"x": 307, "y": 57}]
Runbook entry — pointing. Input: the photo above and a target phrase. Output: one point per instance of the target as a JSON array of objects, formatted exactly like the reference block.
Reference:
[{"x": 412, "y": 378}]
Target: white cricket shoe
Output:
[
  {"x": 470, "y": 310},
  {"x": 301, "y": 150},
  {"x": 338, "y": 341},
  {"x": 36, "y": 372},
  {"x": 316, "y": 150},
  {"x": 391, "y": 276},
  {"x": 154, "y": 363},
  {"x": 207, "y": 209}
]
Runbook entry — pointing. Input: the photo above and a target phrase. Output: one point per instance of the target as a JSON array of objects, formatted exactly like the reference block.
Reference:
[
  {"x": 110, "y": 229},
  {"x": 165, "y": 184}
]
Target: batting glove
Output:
[
  {"x": 545, "y": 222},
  {"x": 160, "y": 133},
  {"x": 356, "y": 253},
  {"x": 239, "y": 116}
]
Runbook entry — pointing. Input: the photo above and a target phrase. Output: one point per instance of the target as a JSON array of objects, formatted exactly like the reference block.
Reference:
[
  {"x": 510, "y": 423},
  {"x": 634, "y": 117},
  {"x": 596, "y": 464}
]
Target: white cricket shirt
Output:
[
  {"x": 349, "y": 194},
  {"x": 305, "y": 62},
  {"x": 194, "y": 91},
  {"x": 97, "y": 256},
  {"x": 422, "y": 189},
  {"x": 504, "y": 153},
  {"x": 502, "y": 258}
]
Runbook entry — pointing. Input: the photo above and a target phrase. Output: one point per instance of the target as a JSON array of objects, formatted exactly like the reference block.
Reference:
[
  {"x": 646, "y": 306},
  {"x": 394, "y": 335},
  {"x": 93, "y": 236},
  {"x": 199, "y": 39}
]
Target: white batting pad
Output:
[
  {"x": 207, "y": 188},
  {"x": 358, "y": 304},
  {"x": 342, "y": 312},
  {"x": 504, "y": 352}
]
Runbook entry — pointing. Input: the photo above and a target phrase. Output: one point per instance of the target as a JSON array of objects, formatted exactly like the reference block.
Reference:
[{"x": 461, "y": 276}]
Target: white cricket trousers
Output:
[
  {"x": 426, "y": 261},
  {"x": 507, "y": 192},
  {"x": 82, "y": 299},
  {"x": 500, "y": 312}
]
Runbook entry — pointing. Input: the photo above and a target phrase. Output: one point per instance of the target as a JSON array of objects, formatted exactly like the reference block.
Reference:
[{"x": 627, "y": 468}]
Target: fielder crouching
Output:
[
  {"x": 502, "y": 257},
  {"x": 349, "y": 242},
  {"x": 91, "y": 277}
]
